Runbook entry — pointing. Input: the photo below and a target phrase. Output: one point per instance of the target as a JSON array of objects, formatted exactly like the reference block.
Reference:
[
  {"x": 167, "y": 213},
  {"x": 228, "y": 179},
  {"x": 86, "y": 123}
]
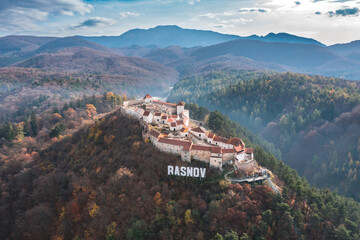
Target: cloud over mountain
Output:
[
  {"x": 344, "y": 12},
  {"x": 95, "y": 22}
]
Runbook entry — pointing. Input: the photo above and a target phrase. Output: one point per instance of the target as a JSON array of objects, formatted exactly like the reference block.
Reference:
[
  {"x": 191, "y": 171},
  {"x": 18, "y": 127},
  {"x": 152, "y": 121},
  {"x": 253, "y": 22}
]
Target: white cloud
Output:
[
  {"x": 128, "y": 14},
  {"x": 254, "y": 10},
  {"x": 21, "y": 14},
  {"x": 94, "y": 22}
]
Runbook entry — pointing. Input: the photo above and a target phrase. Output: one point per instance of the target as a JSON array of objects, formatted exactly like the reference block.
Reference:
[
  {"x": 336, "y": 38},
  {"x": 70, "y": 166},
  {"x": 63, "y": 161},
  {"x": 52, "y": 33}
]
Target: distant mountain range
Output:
[
  {"x": 74, "y": 57},
  {"x": 164, "y": 36},
  {"x": 284, "y": 37},
  {"x": 22, "y": 43},
  {"x": 191, "y": 51}
]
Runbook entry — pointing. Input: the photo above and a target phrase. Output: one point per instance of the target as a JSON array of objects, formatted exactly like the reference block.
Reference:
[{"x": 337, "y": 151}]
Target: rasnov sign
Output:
[{"x": 186, "y": 171}]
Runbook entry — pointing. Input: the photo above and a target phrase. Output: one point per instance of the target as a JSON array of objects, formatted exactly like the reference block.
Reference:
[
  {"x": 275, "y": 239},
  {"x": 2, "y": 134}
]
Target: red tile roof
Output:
[
  {"x": 154, "y": 133},
  {"x": 198, "y": 129},
  {"x": 158, "y": 114},
  {"x": 216, "y": 149},
  {"x": 235, "y": 141},
  {"x": 170, "y": 120},
  {"x": 184, "y": 130},
  {"x": 211, "y": 135},
  {"x": 174, "y": 142},
  {"x": 221, "y": 139},
  {"x": 249, "y": 150},
  {"x": 173, "y": 124},
  {"x": 187, "y": 147},
  {"x": 165, "y": 103},
  {"x": 147, "y": 96},
  {"x": 179, "y": 104},
  {"x": 179, "y": 122},
  {"x": 217, "y": 139},
  {"x": 231, "y": 150},
  {"x": 146, "y": 113},
  {"x": 239, "y": 149},
  {"x": 201, "y": 148},
  {"x": 164, "y": 117},
  {"x": 174, "y": 116}
]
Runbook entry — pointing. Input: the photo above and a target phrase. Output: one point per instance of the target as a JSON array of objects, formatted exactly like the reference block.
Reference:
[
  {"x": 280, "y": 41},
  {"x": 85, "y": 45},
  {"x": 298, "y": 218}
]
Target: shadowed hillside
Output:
[
  {"x": 311, "y": 119},
  {"x": 69, "y": 42},
  {"x": 105, "y": 182}
]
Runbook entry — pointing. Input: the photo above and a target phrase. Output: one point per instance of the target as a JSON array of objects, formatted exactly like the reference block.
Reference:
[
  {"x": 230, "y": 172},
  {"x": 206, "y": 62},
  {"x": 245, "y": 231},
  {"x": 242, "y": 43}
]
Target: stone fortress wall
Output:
[{"x": 216, "y": 151}]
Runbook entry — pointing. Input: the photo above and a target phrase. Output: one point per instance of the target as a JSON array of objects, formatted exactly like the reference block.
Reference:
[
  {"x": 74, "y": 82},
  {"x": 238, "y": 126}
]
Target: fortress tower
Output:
[
  {"x": 179, "y": 108},
  {"x": 148, "y": 98}
]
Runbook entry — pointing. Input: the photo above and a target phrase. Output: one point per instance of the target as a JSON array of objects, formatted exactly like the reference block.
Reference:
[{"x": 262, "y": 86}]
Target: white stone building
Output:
[
  {"x": 179, "y": 108},
  {"x": 147, "y": 116},
  {"x": 198, "y": 132}
]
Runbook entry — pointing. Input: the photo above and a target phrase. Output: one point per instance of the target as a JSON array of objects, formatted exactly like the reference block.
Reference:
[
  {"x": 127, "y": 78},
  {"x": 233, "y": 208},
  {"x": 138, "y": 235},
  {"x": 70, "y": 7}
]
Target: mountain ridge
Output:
[{"x": 187, "y": 37}]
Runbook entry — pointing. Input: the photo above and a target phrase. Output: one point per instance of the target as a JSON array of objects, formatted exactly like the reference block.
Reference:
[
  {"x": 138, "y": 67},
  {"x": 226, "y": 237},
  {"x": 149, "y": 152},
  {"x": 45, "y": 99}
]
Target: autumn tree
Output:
[
  {"x": 90, "y": 110},
  {"x": 188, "y": 218}
]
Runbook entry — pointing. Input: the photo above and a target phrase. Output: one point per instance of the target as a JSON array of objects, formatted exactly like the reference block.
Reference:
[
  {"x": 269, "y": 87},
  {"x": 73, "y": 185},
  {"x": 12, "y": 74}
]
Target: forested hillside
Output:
[
  {"x": 104, "y": 182},
  {"x": 313, "y": 120}
]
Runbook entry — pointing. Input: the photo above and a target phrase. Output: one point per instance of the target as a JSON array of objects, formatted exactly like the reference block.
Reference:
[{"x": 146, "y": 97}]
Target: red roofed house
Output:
[
  {"x": 222, "y": 142},
  {"x": 235, "y": 141},
  {"x": 154, "y": 135},
  {"x": 244, "y": 154},
  {"x": 249, "y": 153},
  {"x": 184, "y": 132},
  {"x": 148, "y": 98},
  {"x": 163, "y": 119},
  {"x": 200, "y": 152},
  {"x": 198, "y": 132},
  {"x": 157, "y": 117},
  {"x": 169, "y": 121},
  {"x": 210, "y": 137},
  {"x": 172, "y": 126},
  {"x": 228, "y": 155},
  {"x": 175, "y": 146},
  {"x": 179, "y": 124},
  {"x": 147, "y": 117}
]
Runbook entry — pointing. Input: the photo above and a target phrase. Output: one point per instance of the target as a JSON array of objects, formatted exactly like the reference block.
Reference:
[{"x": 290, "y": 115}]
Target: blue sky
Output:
[{"x": 329, "y": 21}]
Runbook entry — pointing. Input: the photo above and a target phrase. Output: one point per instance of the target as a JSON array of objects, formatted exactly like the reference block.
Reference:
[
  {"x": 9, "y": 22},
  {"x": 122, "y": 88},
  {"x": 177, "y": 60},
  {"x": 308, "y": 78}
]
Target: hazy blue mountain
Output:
[
  {"x": 291, "y": 54},
  {"x": 68, "y": 42},
  {"x": 169, "y": 54},
  {"x": 164, "y": 36},
  {"x": 188, "y": 66},
  {"x": 254, "y": 54},
  {"x": 284, "y": 37},
  {"x": 344, "y": 49},
  {"x": 22, "y": 43},
  {"x": 134, "y": 50}
]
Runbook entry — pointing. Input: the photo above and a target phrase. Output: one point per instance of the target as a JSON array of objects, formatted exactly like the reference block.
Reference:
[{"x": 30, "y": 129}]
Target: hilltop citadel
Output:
[{"x": 170, "y": 129}]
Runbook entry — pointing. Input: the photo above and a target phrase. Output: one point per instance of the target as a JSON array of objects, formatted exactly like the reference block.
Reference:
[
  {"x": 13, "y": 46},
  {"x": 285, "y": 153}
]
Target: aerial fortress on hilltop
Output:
[{"x": 170, "y": 129}]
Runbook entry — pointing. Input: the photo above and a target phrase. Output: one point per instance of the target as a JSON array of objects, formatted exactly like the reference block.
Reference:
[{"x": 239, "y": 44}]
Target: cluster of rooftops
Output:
[
  {"x": 234, "y": 145},
  {"x": 189, "y": 142}
]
